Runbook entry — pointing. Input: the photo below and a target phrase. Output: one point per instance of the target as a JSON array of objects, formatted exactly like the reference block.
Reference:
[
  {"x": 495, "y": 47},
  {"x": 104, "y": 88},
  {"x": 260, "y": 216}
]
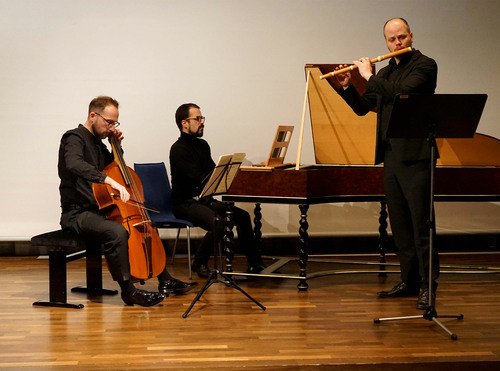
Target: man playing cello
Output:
[{"x": 82, "y": 157}]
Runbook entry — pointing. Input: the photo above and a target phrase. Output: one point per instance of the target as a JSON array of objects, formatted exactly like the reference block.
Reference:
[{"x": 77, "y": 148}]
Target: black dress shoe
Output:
[
  {"x": 423, "y": 299},
  {"x": 201, "y": 269},
  {"x": 175, "y": 286},
  {"x": 401, "y": 290},
  {"x": 142, "y": 297},
  {"x": 255, "y": 268}
]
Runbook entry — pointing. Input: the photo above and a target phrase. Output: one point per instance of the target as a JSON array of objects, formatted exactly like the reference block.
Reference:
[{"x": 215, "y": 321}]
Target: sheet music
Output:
[
  {"x": 223, "y": 175},
  {"x": 232, "y": 169}
]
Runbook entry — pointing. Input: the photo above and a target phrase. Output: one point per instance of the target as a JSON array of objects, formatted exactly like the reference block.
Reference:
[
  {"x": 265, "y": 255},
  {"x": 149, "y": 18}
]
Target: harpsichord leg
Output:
[
  {"x": 257, "y": 225},
  {"x": 382, "y": 237},
  {"x": 303, "y": 247}
]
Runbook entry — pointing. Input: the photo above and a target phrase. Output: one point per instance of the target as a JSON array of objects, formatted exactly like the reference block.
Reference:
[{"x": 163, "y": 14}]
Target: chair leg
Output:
[
  {"x": 188, "y": 232},
  {"x": 175, "y": 246}
]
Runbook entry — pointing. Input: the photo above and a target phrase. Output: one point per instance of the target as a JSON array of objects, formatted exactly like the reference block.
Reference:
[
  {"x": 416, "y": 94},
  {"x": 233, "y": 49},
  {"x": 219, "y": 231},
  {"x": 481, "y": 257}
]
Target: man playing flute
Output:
[{"x": 407, "y": 164}]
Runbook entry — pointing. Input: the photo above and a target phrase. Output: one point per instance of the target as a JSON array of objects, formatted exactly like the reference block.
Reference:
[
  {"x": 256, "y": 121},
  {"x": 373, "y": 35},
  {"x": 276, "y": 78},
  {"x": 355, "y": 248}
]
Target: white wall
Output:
[{"x": 242, "y": 61}]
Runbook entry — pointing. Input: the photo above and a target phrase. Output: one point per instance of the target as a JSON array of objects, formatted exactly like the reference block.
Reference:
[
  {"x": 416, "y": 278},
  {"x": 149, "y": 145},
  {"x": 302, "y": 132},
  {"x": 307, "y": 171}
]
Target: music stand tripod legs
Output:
[
  {"x": 215, "y": 273},
  {"x": 430, "y": 313}
]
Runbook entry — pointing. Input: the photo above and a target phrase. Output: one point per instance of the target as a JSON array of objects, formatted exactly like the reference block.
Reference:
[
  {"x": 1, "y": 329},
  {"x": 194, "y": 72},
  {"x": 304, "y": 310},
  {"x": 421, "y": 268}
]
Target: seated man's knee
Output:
[
  {"x": 117, "y": 236},
  {"x": 122, "y": 234}
]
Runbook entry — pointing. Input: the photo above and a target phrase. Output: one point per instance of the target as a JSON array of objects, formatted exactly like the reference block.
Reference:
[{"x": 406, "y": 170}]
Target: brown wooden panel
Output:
[
  {"x": 327, "y": 181},
  {"x": 310, "y": 182},
  {"x": 340, "y": 136},
  {"x": 467, "y": 181},
  {"x": 482, "y": 150}
]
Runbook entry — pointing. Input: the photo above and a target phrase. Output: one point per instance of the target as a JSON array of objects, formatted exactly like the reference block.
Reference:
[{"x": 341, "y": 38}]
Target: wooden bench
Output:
[{"x": 65, "y": 247}]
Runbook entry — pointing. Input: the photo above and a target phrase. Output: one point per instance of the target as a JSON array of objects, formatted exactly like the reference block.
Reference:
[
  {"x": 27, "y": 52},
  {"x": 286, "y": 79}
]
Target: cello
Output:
[{"x": 146, "y": 252}]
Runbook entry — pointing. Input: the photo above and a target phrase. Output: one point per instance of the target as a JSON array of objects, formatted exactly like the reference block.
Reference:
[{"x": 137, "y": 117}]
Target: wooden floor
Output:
[{"x": 329, "y": 327}]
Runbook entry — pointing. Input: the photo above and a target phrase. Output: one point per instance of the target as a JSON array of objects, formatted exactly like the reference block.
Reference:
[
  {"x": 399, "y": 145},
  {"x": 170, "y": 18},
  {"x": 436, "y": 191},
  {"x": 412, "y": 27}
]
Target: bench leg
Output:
[
  {"x": 94, "y": 275},
  {"x": 57, "y": 282}
]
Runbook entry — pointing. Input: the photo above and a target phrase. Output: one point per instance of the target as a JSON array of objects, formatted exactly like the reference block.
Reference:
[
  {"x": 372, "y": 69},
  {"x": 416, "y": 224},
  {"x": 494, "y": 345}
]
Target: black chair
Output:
[{"x": 156, "y": 186}]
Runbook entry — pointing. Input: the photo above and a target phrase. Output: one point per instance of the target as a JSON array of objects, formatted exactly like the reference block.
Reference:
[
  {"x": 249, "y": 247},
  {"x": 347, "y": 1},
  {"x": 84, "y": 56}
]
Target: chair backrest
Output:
[{"x": 156, "y": 186}]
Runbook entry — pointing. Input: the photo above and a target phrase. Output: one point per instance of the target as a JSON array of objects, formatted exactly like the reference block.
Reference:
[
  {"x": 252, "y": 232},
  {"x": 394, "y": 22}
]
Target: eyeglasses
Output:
[
  {"x": 197, "y": 118},
  {"x": 110, "y": 122}
]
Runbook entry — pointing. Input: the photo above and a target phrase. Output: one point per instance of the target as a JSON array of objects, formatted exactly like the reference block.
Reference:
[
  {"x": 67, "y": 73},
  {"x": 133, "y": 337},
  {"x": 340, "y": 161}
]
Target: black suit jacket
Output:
[{"x": 415, "y": 73}]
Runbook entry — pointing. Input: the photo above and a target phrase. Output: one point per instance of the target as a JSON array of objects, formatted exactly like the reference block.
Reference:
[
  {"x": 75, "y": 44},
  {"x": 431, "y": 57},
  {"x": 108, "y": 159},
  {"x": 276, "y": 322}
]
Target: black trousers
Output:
[
  {"x": 203, "y": 214},
  {"x": 407, "y": 188},
  {"x": 112, "y": 235}
]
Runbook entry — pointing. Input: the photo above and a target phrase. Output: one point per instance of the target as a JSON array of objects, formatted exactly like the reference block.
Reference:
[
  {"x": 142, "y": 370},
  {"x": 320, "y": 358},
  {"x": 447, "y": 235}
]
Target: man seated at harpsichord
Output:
[{"x": 191, "y": 165}]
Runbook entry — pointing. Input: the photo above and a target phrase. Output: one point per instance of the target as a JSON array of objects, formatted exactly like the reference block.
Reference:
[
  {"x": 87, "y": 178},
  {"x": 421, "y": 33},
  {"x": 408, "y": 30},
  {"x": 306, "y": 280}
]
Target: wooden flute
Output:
[{"x": 374, "y": 60}]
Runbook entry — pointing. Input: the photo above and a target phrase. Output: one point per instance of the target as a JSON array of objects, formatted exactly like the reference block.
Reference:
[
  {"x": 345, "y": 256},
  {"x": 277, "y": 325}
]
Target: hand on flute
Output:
[{"x": 365, "y": 67}]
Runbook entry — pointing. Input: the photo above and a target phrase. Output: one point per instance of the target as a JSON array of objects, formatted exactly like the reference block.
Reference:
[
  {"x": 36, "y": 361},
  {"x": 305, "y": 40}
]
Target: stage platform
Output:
[{"x": 328, "y": 327}]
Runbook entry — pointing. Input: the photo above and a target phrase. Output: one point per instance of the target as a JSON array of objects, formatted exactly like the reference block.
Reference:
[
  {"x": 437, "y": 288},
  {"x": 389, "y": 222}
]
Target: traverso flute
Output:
[{"x": 374, "y": 60}]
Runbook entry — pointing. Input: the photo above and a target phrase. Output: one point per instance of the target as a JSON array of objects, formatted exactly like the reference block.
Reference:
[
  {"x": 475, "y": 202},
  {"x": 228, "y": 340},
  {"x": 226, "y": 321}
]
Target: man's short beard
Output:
[{"x": 198, "y": 133}]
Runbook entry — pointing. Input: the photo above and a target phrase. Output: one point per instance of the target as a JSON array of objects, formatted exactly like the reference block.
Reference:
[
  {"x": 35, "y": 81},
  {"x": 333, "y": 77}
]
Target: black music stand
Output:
[
  {"x": 434, "y": 116},
  {"x": 219, "y": 182}
]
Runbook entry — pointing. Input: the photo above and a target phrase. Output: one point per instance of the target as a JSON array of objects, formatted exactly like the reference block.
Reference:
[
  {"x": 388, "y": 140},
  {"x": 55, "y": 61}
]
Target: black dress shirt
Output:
[{"x": 82, "y": 157}]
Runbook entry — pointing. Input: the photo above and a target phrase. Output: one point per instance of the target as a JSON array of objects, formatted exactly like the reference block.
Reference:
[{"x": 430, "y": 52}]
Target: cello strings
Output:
[{"x": 128, "y": 178}]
